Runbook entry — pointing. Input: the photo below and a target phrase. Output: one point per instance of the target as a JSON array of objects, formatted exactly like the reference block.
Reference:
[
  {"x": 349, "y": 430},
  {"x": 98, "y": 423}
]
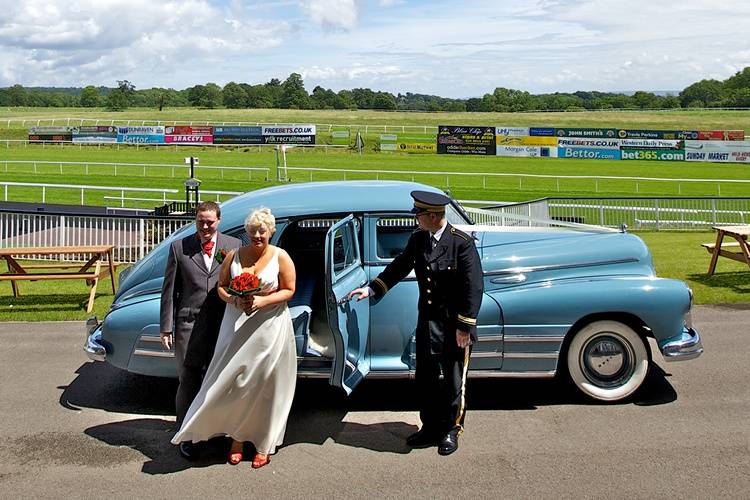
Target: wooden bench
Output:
[
  {"x": 19, "y": 272},
  {"x": 717, "y": 249}
]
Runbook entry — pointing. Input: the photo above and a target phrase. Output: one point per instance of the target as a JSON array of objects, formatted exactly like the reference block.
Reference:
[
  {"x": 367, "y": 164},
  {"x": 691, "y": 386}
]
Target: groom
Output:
[{"x": 191, "y": 310}]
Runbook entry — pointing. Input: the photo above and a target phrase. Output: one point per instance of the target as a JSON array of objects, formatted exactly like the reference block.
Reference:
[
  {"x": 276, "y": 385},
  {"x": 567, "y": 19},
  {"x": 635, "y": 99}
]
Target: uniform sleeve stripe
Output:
[
  {"x": 381, "y": 284},
  {"x": 468, "y": 321}
]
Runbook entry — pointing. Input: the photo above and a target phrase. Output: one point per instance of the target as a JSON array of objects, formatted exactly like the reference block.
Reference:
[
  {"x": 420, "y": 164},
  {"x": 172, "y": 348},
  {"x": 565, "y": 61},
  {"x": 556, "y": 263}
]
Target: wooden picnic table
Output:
[
  {"x": 742, "y": 254},
  {"x": 20, "y": 272}
]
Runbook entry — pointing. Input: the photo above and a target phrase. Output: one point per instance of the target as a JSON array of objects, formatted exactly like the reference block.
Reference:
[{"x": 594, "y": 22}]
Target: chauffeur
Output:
[{"x": 449, "y": 275}]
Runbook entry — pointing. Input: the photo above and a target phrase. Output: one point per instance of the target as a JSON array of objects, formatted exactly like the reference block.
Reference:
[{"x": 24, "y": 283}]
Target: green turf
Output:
[
  {"x": 475, "y": 186},
  {"x": 675, "y": 119},
  {"x": 676, "y": 255}
]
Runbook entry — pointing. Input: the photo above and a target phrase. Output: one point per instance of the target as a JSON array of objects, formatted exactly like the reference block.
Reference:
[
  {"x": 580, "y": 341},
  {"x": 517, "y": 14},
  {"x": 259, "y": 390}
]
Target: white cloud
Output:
[
  {"x": 438, "y": 46},
  {"x": 93, "y": 41},
  {"x": 332, "y": 14}
]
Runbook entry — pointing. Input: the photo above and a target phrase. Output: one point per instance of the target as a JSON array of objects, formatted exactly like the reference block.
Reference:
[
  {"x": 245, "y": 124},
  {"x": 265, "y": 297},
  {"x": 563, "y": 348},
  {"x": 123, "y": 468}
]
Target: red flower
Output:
[{"x": 244, "y": 284}]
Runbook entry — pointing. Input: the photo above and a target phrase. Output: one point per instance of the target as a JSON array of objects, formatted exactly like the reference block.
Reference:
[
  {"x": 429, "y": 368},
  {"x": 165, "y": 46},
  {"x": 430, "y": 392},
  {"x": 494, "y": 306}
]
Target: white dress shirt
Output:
[{"x": 210, "y": 260}]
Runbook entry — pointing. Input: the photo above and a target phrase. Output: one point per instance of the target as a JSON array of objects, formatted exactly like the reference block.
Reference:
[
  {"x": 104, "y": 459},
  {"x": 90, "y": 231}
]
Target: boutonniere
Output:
[{"x": 221, "y": 255}]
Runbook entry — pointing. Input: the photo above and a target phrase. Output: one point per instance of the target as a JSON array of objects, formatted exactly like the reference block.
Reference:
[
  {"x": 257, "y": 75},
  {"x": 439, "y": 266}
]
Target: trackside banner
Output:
[
  {"x": 718, "y": 151},
  {"x": 527, "y": 151},
  {"x": 188, "y": 135},
  {"x": 653, "y": 154},
  {"x": 588, "y": 153},
  {"x": 468, "y": 140}
]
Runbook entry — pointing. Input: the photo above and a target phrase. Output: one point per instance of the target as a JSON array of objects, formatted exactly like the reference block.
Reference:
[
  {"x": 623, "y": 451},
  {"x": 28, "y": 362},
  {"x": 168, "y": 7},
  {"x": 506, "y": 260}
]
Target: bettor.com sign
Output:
[{"x": 589, "y": 153}]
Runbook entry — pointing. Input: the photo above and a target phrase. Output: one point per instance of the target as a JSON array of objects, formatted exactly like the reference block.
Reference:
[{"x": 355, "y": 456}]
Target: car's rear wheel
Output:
[{"x": 607, "y": 360}]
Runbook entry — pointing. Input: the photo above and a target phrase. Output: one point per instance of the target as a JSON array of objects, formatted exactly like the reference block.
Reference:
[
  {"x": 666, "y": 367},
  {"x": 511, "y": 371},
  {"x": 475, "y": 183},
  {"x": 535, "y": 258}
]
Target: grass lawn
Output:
[
  {"x": 677, "y": 119},
  {"x": 676, "y": 255},
  {"x": 474, "y": 186}
]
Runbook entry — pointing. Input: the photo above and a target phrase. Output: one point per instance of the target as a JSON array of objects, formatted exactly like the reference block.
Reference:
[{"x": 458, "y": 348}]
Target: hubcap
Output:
[{"x": 607, "y": 360}]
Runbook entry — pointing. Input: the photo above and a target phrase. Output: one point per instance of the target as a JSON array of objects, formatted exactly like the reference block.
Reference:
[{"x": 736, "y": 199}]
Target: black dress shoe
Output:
[
  {"x": 449, "y": 443},
  {"x": 423, "y": 438},
  {"x": 188, "y": 450}
]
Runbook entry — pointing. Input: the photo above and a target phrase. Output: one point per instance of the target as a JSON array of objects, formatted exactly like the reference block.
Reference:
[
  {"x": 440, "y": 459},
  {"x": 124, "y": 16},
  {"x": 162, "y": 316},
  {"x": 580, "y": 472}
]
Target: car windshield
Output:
[{"x": 456, "y": 215}]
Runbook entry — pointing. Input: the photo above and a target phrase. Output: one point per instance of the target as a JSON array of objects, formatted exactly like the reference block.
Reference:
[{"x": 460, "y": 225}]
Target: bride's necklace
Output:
[{"x": 262, "y": 254}]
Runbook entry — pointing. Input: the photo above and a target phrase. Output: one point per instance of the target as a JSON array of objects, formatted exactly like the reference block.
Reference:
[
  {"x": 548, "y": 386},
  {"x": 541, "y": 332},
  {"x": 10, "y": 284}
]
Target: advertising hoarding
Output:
[
  {"x": 238, "y": 131},
  {"x": 511, "y": 131},
  {"x": 527, "y": 151},
  {"x": 721, "y": 135},
  {"x": 471, "y": 140},
  {"x": 525, "y": 140},
  {"x": 586, "y": 132},
  {"x": 653, "y": 154},
  {"x": 657, "y": 134},
  {"x": 588, "y": 153},
  {"x": 589, "y": 143},
  {"x": 652, "y": 143},
  {"x": 718, "y": 151}
]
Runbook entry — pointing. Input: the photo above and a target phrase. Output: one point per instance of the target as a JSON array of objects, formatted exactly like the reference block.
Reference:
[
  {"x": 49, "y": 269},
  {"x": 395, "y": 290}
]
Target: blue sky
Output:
[{"x": 447, "y": 48}]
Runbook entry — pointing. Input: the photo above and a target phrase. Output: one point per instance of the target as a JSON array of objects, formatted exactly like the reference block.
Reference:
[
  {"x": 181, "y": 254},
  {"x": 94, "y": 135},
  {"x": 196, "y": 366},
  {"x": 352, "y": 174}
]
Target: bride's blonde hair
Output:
[{"x": 261, "y": 216}]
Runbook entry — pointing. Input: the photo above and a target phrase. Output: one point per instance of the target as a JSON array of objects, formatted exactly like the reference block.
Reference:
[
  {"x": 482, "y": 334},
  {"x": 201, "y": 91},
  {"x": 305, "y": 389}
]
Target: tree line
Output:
[{"x": 291, "y": 94}]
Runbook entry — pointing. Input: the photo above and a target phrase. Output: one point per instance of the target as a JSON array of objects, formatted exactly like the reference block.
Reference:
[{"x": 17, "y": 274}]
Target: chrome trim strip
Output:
[
  {"x": 486, "y": 354},
  {"x": 154, "y": 354},
  {"x": 149, "y": 338},
  {"x": 496, "y": 374},
  {"x": 532, "y": 355},
  {"x": 490, "y": 338},
  {"x": 510, "y": 339},
  {"x": 410, "y": 374},
  {"x": 313, "y": 375},
  {"x": 533, "y": 269}
]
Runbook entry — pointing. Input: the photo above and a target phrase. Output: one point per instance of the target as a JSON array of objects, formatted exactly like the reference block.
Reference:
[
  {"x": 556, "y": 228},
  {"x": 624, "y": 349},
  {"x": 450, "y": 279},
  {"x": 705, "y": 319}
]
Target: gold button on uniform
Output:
[
  {"x": 429, "y": 302},
  {"x": 428, "y": 290},
  {"x": 428, "y": 278}
]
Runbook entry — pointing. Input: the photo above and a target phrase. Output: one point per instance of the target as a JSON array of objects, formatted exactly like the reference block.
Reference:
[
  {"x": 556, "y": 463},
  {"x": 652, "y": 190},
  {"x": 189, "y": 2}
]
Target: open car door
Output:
[{"x": 349, "y": 319}]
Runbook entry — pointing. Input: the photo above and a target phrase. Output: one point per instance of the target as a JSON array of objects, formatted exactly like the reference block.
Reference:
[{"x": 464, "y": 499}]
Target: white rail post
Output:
[{"x": 141, "y": 238}]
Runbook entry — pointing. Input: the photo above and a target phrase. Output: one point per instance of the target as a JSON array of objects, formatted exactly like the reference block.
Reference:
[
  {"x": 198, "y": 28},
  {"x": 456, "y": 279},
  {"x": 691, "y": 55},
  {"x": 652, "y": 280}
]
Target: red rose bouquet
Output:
[{"x": 244, "y": 284}]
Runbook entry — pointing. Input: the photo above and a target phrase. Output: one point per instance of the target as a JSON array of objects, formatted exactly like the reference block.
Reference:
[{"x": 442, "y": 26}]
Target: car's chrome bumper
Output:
[
  {"x": 685, "y": 346},
  {"x": 93, "y": 347}
]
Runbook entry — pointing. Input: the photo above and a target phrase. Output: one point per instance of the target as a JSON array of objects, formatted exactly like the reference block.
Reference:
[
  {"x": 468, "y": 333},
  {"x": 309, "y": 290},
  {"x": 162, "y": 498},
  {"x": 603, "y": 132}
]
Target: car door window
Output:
[
  {"x": 392, "y": 234},
  {"x": 344, "y": 249}
]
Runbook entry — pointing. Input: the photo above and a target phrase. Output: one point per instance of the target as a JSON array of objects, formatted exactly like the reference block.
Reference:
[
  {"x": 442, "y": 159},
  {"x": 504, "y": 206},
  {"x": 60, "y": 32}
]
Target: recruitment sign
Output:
[{"x": 468, "y": 140}]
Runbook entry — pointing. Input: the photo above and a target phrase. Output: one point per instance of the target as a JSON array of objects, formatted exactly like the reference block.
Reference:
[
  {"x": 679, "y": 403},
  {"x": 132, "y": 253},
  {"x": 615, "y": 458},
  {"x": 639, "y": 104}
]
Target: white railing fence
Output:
[
  {"x": 130, "y": 169},
  {"x": 699, "y": 213},
  {"x": 132, "y": 237}
]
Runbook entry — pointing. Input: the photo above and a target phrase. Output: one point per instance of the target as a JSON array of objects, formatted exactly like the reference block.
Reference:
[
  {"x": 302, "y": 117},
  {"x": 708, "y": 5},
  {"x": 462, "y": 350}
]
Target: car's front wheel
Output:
[{"x": 607, "y": 360}]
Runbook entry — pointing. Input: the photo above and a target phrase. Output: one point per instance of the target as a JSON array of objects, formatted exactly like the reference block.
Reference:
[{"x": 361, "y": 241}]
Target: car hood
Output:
[{"x": 543, "y": 254}]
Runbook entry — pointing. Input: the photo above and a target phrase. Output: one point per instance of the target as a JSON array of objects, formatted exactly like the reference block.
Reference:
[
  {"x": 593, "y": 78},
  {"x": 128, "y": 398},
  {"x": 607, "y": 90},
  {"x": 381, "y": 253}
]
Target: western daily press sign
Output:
[
  {"x": 611, "y": 144},
  {"x": 177, "y": 134}
]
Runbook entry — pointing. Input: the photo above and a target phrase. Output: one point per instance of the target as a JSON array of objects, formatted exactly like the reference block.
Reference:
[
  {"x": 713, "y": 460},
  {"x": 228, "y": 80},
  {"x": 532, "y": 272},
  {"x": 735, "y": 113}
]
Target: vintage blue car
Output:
[{"x": 579, "y": 303}]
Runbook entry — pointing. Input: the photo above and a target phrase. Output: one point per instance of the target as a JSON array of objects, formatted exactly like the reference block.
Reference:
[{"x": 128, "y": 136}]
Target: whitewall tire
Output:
[{"x": 607, "y": 360}]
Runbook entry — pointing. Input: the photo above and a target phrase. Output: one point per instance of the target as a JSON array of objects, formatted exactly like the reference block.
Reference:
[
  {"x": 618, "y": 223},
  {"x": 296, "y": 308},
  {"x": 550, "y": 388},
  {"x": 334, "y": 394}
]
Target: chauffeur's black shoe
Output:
[
  {"x": 188, "y": 450},
  {"x": 423, "y": 438},
  {"x": 449, "y": 443}
]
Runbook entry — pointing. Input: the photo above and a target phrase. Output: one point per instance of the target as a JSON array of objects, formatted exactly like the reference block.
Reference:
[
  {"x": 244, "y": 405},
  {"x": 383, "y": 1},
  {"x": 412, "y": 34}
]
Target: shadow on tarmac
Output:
[{"x": 318, "y": 414}]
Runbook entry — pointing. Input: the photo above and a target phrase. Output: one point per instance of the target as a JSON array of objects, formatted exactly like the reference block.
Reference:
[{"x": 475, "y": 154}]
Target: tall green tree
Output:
[
  {"x": 293, "y": 93},
  {"x": 121, "y": 97},
  {"x": 234, "y": 96},
  {"x": 90, "y": 97},
  {"x": 705, "y": 93}
]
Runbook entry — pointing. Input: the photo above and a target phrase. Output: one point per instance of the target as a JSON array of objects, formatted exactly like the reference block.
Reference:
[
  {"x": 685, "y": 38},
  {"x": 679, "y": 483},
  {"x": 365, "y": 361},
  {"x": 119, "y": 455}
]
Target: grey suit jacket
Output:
[{"x": 190, "y": 305}]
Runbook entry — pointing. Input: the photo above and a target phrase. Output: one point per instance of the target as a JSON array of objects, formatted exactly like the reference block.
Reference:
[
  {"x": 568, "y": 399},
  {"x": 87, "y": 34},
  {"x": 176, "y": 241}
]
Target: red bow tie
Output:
[{"x": 208, "y": 247}]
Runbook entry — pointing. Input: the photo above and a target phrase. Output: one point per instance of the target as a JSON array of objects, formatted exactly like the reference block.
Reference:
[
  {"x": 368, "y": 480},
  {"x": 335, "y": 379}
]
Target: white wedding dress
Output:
[{"x": 249, "y": 385}]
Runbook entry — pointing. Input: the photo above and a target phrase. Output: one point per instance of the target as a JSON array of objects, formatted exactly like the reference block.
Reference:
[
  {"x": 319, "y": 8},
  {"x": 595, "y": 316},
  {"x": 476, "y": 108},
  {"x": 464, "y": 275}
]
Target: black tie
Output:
[{"x": 434, "y": 242}]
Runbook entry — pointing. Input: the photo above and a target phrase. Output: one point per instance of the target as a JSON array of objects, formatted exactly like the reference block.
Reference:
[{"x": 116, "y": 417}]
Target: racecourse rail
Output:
[{"x": 134, "y": 236}]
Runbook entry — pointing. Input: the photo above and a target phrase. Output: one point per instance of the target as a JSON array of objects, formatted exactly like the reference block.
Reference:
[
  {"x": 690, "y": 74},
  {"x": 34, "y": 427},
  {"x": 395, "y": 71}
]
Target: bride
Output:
[{"x": 249, "y": 386}]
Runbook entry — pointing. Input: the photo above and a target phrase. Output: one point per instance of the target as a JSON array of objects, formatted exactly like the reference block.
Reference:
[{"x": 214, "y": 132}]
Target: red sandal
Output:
[
  {"x": 234, "y": 457},
  {"x": 260, "y": 460}
]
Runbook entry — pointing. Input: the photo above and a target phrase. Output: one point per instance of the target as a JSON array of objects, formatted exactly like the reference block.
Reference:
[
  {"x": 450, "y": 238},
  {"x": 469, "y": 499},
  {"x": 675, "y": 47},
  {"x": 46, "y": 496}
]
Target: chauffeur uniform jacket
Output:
[{"x": 450, "y": 284}]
